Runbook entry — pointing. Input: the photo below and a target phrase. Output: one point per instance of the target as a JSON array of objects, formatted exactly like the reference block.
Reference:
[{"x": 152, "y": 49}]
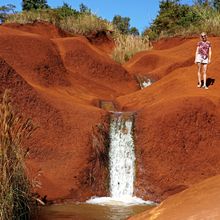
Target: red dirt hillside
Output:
[
  {"x": 200, "y": 201},
  {"x": 177, "y": 125},
  {"x": 56, "y": 82}
]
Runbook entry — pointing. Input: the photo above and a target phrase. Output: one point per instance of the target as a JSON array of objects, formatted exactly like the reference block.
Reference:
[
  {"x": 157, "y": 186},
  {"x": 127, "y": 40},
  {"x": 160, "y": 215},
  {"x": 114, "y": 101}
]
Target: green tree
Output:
[
  {"x": 216, "y": 4},
  {"x": 84, "y": 9},
  {"x": 65, "y": 10},
  {"x": 28, "y": 5},
  {"x": 5, "y": 10},
  {"x": 134, "y": 31},
  {"x": 122, "y": 23},
  {"x": 172, "y": 17},
  {"x": 202, "y": 2}
]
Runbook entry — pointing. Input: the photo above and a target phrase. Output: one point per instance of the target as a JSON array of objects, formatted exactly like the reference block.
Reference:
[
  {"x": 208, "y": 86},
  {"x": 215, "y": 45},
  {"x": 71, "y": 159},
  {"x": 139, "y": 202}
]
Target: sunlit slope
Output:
[
  {"x": 201, "y": 201},
  {"x": 177, "y": 125},
  {"x": 57, "y": 83}
]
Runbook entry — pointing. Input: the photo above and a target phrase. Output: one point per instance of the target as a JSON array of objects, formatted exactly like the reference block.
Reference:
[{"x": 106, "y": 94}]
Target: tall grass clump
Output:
[
  {"x": 84, "y": 24},
  {"x": 70, "y": 21},
  {"x": 25, "y": 17},
  {"x": 15, "y": 188},
  {"x": 127, "y": 45}
]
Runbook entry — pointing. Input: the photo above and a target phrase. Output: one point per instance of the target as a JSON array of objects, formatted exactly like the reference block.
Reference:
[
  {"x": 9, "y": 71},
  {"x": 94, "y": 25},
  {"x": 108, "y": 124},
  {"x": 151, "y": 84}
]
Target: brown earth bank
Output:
[
  {"x": 57, "y": 83},
  {"x": 59, "y": 80},
  {"x": 199, "y": 202}
]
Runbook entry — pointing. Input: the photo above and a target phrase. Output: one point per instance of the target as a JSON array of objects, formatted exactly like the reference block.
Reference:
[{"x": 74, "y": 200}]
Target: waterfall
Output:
[
  {"x": 121, "y": 155},
  {"x": 145, "y": 83},
  {"x": 121, "y": 163}
]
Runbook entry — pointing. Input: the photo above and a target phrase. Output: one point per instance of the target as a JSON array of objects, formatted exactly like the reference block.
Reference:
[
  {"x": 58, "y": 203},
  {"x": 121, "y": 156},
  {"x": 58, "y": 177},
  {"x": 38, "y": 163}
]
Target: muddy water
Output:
[{"x": 90, "y": 212}]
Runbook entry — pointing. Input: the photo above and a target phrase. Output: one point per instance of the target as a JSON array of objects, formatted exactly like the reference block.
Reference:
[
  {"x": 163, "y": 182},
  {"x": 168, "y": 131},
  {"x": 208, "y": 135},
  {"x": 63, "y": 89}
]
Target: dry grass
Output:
[
  {"x": 15, "y": 193},
  {"x": 84, "y": 24},
  {"x": 128, "y": 45},
  {"x": 100, "y": 144},
  {"x": 76, "y": 24},
  {"x": 26, "y": 17}
]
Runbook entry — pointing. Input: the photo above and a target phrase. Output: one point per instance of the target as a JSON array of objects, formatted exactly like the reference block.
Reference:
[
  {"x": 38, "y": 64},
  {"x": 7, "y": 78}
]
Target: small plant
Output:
[
  {"x": 15, "y": 188},
  {"x": 100, "y": 145},
  {"x": 128, "y": 45}
]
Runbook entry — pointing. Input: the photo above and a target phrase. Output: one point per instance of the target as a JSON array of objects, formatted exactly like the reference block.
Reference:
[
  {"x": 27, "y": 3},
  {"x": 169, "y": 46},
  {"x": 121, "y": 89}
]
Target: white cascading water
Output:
[
  {"x": 145, "y": 83},
  {"x": 121, "y": 163},
  {"x": 121, "y": 156}
]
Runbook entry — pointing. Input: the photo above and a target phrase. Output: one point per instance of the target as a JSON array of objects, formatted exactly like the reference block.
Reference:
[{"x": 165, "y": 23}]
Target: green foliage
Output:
[
  {"x": 122, "y": 23},
  {"x": 5, "y": 10},
  {"x": 28, "y": 5},
  {"x": 173, "y": 17},
  {"x": 65, "y": 11},
  {"x": 202, "y": 2},
  {"x": 216, "y": 4},
  {"x": 84, "y": 9},
  {"x": 134, "y": 31}
]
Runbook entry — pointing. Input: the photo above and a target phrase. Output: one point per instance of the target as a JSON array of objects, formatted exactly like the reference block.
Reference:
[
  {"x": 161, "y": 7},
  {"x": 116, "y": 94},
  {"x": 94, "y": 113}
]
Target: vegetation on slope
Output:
[
  {"x": 176, "y": 19},
  {"x": 127, "y": 39},
  {"x": 15, "y": 188}
]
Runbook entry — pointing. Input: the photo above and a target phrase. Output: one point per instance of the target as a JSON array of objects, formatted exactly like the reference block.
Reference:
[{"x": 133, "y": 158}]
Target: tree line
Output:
[{"x": 121, "y": 23}]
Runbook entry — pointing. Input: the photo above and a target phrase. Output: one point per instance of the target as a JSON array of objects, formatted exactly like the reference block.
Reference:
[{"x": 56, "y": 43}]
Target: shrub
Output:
[
  {"x": 64, "y": 11},
  {"x": 5, "y": 10},
  {"x": 15, "y": 188},
  {"x": 173, "y": 18},
  {"x": 65, "y": 18},
  {"x": 85, "y": 24},
  {"x": 47, "y": 15},
  {"x": 34, "y": 4}
]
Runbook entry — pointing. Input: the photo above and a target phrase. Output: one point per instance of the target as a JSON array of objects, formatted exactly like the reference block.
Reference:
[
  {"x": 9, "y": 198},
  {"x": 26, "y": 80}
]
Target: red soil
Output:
[
  {"x": 56, "y": 83},
  {"x": 200, "y": 201},
  {"x": 177, "y": 125},
  {"x": 41, "y": 28},
  {"x": 102, "y": 40},
  {"x": 59, "y": 81}
]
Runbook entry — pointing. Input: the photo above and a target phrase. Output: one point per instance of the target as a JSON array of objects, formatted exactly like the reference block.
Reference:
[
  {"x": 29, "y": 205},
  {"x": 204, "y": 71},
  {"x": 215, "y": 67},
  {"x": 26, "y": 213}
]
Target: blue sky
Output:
[{"x": 141, "y": 12}]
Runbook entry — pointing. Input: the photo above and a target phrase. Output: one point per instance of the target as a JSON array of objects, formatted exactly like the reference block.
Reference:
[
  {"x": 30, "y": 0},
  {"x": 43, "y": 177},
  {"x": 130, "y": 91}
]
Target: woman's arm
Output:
[
  {"x": 197, "y": 51},
  {"x": 210, "y": 54}
]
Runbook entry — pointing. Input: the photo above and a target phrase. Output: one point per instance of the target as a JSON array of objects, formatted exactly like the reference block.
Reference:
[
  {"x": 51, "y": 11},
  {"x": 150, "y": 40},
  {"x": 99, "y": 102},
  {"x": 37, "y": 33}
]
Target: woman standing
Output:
[{"x": 203, "y": 58}]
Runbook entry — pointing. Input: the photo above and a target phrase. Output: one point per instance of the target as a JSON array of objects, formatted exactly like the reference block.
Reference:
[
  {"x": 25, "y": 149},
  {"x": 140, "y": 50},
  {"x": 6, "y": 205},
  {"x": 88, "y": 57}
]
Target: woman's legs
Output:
[
  {"x": 199, "y": 75},
  {"x": 204, "y": 75}
]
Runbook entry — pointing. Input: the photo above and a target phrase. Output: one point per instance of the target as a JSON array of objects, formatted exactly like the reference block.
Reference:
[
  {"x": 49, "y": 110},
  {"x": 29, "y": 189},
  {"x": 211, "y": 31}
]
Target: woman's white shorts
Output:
[{"x": 200, "y": 59}]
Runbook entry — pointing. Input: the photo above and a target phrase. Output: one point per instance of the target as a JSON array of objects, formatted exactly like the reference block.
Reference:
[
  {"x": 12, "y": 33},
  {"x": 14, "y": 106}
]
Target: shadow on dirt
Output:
[{"x": 209, "y": 82}]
